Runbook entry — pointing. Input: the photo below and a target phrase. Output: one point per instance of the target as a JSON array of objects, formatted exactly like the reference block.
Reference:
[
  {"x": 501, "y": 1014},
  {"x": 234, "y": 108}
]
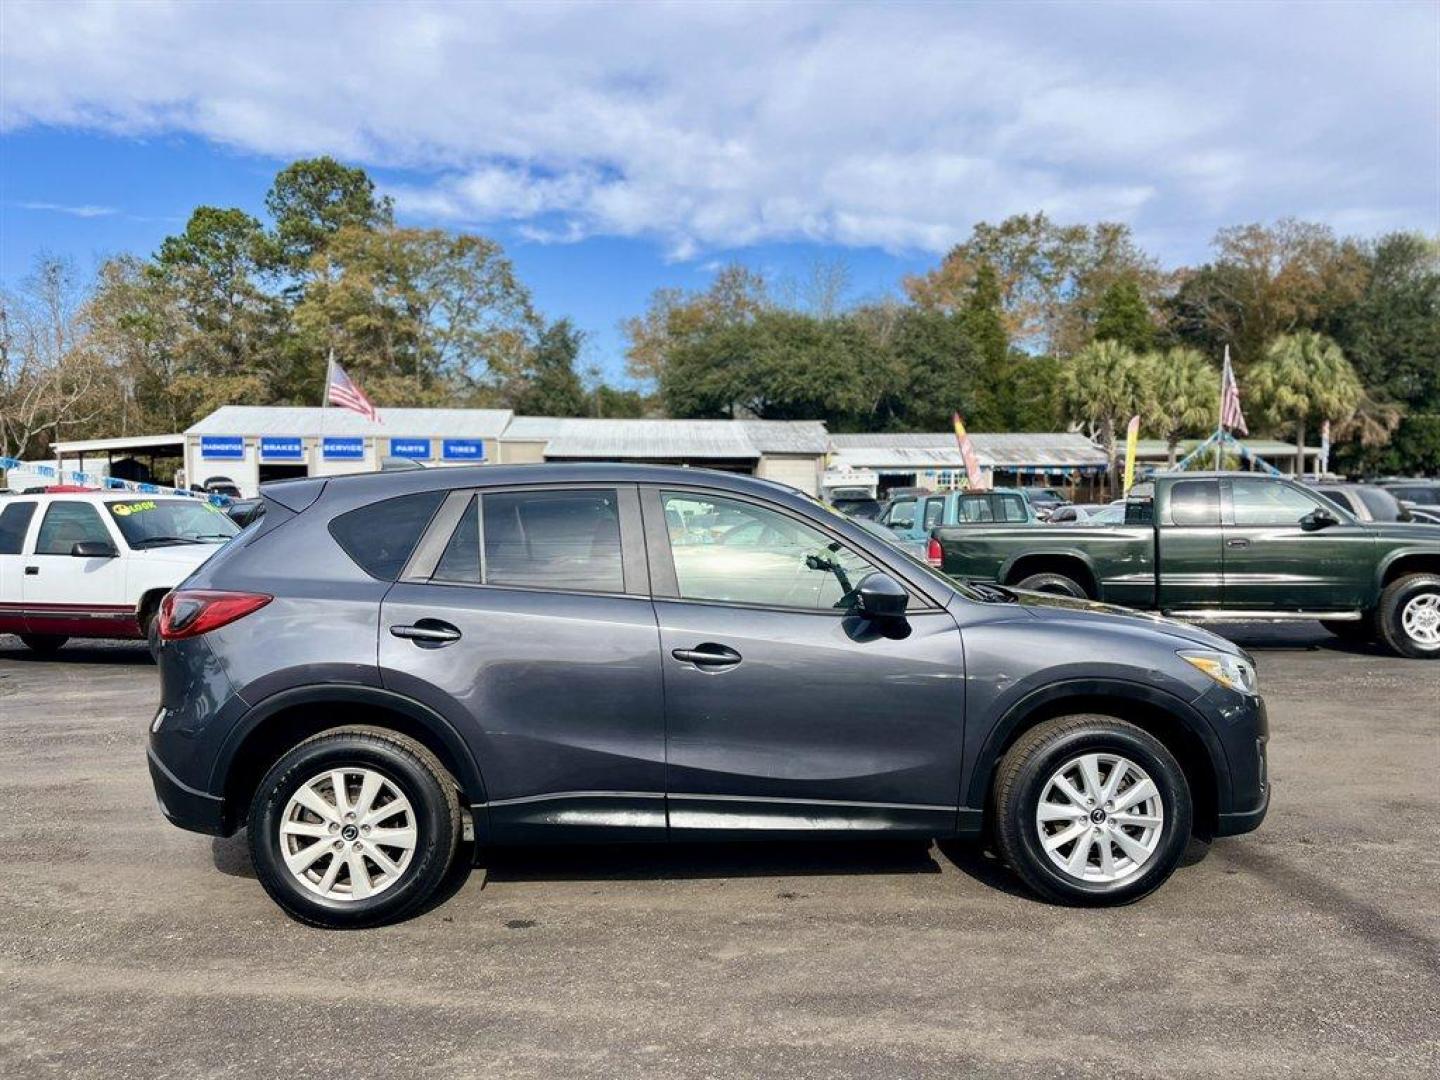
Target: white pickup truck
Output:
[{"x": 95, "y": 564}]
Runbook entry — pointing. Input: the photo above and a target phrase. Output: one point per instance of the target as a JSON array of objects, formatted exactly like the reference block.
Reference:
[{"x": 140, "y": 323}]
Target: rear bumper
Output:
[{"x": 182, "y": 805}]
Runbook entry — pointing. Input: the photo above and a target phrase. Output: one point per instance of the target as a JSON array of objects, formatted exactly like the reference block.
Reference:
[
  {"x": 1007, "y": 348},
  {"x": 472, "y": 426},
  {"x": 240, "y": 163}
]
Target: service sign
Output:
[
  {"x": 414, "y": 449},
  {"x": 343, "y": 449},
  {"x": 282, "y": 448},
  {"x": 463, "y": 449},
  {"x": 222, "y": 447}
]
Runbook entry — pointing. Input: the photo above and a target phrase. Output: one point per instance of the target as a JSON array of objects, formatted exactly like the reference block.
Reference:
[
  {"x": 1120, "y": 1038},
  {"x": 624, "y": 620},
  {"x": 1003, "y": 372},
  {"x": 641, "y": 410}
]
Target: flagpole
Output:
[{"x": 1220, "y": 412}]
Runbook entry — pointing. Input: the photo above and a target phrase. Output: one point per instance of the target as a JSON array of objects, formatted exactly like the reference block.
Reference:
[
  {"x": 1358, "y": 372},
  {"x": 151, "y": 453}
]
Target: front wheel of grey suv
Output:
[
  {"x": 1091, "y": 810},
  {"x": 354, "y": 827}
]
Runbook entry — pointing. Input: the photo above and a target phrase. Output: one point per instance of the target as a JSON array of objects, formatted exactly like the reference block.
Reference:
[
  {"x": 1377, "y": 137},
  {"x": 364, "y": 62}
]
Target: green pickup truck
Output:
[{"x": 1226, "y": 546}]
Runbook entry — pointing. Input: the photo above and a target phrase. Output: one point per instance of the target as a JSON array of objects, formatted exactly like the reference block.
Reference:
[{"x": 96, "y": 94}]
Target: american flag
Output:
[
  {"x": 1230, "y": 414},
  {"x": 343, "y": 392}
]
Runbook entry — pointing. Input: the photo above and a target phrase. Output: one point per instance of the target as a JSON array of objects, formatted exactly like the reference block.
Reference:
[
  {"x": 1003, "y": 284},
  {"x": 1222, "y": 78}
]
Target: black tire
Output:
[
  {"x": 1399, "y": 596},
  {"x": 45, "y": 644},
  {"x": 403, "y": 762},
  {"x": 1358, "y": 630},
  {"x": 1023, "y": 776},
  {"x": 1053, "y": 583},
  {"x": 150, "y": 627}
]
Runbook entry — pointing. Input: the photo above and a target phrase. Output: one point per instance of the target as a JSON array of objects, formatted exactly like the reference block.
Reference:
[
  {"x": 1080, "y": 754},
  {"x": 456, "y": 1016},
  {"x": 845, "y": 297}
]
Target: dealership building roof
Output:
[{"x": 902, "y": 452}]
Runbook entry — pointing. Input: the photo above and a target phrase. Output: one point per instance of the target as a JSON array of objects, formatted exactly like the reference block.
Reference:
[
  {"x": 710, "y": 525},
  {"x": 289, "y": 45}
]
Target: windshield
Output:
[{"x": 149, "y": 523}]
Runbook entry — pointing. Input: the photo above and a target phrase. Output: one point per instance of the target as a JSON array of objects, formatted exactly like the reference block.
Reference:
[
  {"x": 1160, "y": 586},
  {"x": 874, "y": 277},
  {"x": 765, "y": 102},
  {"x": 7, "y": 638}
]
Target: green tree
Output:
[
  {"x": 1124, "y": 316},
  {"x": 1302, "y": 380},
  {"x": 313, "y": 199},
  {"x": 550, "y": 385},
  {"x": 1104, "y": 385},
  {"x": 676, "y": 318},
  {"x": 1187, "y": 395},
  {"x": 993, "y": 398}
]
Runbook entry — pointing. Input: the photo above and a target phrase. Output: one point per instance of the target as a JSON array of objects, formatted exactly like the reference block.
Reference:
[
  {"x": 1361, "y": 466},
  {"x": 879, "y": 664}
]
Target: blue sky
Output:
[{"x": 617, "y": 148}]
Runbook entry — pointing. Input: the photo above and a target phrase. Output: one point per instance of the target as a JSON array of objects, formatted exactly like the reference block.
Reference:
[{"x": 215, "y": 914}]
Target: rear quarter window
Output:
[{"x": 381, "y": 536}]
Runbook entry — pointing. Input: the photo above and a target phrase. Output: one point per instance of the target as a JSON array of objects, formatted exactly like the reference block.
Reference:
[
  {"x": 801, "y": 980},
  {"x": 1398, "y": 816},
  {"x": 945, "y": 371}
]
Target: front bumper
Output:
[
  {"x": 182, "y": 805},
  {"x": 1242, "y": 821}
]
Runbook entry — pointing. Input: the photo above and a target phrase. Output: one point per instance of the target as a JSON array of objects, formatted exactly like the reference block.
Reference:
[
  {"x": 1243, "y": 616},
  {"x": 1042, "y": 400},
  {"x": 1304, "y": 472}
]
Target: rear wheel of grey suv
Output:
[
  {"x": 1091, "y": 810},
  {"x": 354, "y": 827},
  {"x": 1409, "y": 616}
]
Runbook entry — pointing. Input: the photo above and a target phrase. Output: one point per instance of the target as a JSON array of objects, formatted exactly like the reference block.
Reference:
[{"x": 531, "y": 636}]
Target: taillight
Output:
[
  {"x": 191, "y": 612},
  {"x": 933, "y": 554}
]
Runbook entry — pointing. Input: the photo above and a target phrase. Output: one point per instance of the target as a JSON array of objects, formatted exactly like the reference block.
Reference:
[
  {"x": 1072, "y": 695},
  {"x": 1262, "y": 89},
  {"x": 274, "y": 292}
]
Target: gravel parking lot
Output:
[{"x": 131, "y": 949}]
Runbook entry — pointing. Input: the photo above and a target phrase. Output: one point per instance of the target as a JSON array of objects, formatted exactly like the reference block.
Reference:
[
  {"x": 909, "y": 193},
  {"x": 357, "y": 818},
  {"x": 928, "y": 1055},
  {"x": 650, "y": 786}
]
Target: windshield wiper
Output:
[{"x": 146, "y": 541}]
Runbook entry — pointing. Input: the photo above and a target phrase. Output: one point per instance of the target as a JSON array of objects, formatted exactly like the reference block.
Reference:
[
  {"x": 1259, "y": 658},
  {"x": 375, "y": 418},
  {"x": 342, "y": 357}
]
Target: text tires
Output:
[
  {"x": 1091, "y": 810},
  {"x": 1409, "y": 616},
  {"x": 354, "y": 827},
  {"x": 1053, "y": 583},
  {"x": 44, "y": 643}
]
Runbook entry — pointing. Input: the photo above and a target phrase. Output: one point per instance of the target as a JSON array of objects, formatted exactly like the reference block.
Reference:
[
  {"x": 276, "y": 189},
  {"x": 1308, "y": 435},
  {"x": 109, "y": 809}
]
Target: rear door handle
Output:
[
  {"x": 428, "y": 632},
  {"x": 1239, "y": 541},
  {"x": 32, "y": 570},
  {"x": 707, "y": 655}
]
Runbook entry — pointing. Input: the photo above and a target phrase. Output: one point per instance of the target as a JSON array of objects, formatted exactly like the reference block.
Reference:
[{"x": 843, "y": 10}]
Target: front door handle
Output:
[
  {"x": 428, "y": 632},
  {"x": 707, "y": 655},
  {"x": 32, "y": 570},
  {"x": 1237, "y": 542}
]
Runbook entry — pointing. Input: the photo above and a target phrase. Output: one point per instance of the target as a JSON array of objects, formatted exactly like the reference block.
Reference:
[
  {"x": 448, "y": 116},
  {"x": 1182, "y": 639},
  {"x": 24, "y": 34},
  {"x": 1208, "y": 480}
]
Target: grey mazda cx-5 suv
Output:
[{"x": 383, "y": 663}]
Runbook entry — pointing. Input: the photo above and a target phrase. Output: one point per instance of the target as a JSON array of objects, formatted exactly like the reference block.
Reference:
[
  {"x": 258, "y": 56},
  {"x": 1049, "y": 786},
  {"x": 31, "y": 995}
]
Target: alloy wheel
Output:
[
  {"x": 348, "y": 834},
  {"x": 1421, "y": 620},
  {"x": 1100, "y": 818}
]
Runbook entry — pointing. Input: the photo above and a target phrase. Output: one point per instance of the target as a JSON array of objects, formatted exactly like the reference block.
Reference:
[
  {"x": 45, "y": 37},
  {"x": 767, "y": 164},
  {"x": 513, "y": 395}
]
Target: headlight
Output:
[{"x": 1225, "y": 668}]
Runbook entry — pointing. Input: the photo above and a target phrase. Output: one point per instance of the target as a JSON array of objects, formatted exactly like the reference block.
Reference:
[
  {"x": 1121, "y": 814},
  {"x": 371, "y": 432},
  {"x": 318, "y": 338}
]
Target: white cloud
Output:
[
  {"x": 83, "y": 211},
  {"x": 712, "y": 126}
]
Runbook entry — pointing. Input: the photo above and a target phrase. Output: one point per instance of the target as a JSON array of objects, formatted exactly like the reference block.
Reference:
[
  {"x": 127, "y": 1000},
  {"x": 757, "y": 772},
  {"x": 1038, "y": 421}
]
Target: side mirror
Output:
[
  {"x": 93, "y": 549},
  {"x": 882, "y": 597},
  {"x": 1318, "y": 518}
]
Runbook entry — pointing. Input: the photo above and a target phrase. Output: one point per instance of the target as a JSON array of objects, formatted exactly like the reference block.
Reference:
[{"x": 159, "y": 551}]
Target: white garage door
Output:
[{"x": 798, "y": 472}]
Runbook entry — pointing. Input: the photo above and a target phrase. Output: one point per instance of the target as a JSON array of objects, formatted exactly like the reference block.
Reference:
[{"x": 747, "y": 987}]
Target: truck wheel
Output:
[
  {"x": 1091, "y": 810},
  {"x": 1053, "y": 583},
  {"x": 45, "y": 644},
  {"x": 1409, "y": 616},
  {"x": 354, "y": 827}
]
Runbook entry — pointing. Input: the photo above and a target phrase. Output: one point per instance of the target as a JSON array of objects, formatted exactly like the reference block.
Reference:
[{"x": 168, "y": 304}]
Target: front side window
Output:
[
  {"x": 568, "y": 540},
  {"x": 1260, "y": 502},
  {"x": 165, "y": 522},
  {"x": 67, "y": 524},
  {"x": 14, "y": 523},
  {"x": 757, "y": 556},
  {"x": 1195, "y": 502}
]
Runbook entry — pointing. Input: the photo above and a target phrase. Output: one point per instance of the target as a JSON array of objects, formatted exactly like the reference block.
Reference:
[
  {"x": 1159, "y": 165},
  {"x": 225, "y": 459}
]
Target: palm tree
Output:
[
  {"x": 1304, "y": 378},
  {"x": 1104, "y": 385},
  {"x": 1187, "y": 393}
]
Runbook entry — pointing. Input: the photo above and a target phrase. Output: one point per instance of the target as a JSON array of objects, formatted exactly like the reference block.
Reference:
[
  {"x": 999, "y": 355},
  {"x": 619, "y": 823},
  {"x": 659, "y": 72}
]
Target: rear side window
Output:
[
  {"x": 933, "y": 509},
  {"x": 567, "y": 540},
  {"x": 67, "y": 524},
  {"x": 381, "y": 536},
  {"x": 1195, "y": 502},
  {"x": 14, "y": 522},
  {"x": 1011, "y": 508}
]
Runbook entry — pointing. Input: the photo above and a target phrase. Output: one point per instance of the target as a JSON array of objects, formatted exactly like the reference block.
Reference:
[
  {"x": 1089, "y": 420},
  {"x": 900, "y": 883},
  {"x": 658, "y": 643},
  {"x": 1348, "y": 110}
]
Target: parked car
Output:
[
  {"x": 1228, "y": 546},
  {"x": 244, "y": 511},
  {"x": 95, "y": 565},
  {"x": 528, "y": 652},
  {"x": 912, "y": 517},
  {"x": 1422, "y": 493},
  {"x": 1088, "y": 514},
  {"x": 1045, "y": 501},
  {"x": 1365, "y": 502}
]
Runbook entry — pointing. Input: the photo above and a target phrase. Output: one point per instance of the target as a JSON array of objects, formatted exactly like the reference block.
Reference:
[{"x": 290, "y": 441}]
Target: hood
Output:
[
  {"x": 1051, "y": 606},
  {"x": 1408, "y": 531},
  {"x": 179, "y": 554}
]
